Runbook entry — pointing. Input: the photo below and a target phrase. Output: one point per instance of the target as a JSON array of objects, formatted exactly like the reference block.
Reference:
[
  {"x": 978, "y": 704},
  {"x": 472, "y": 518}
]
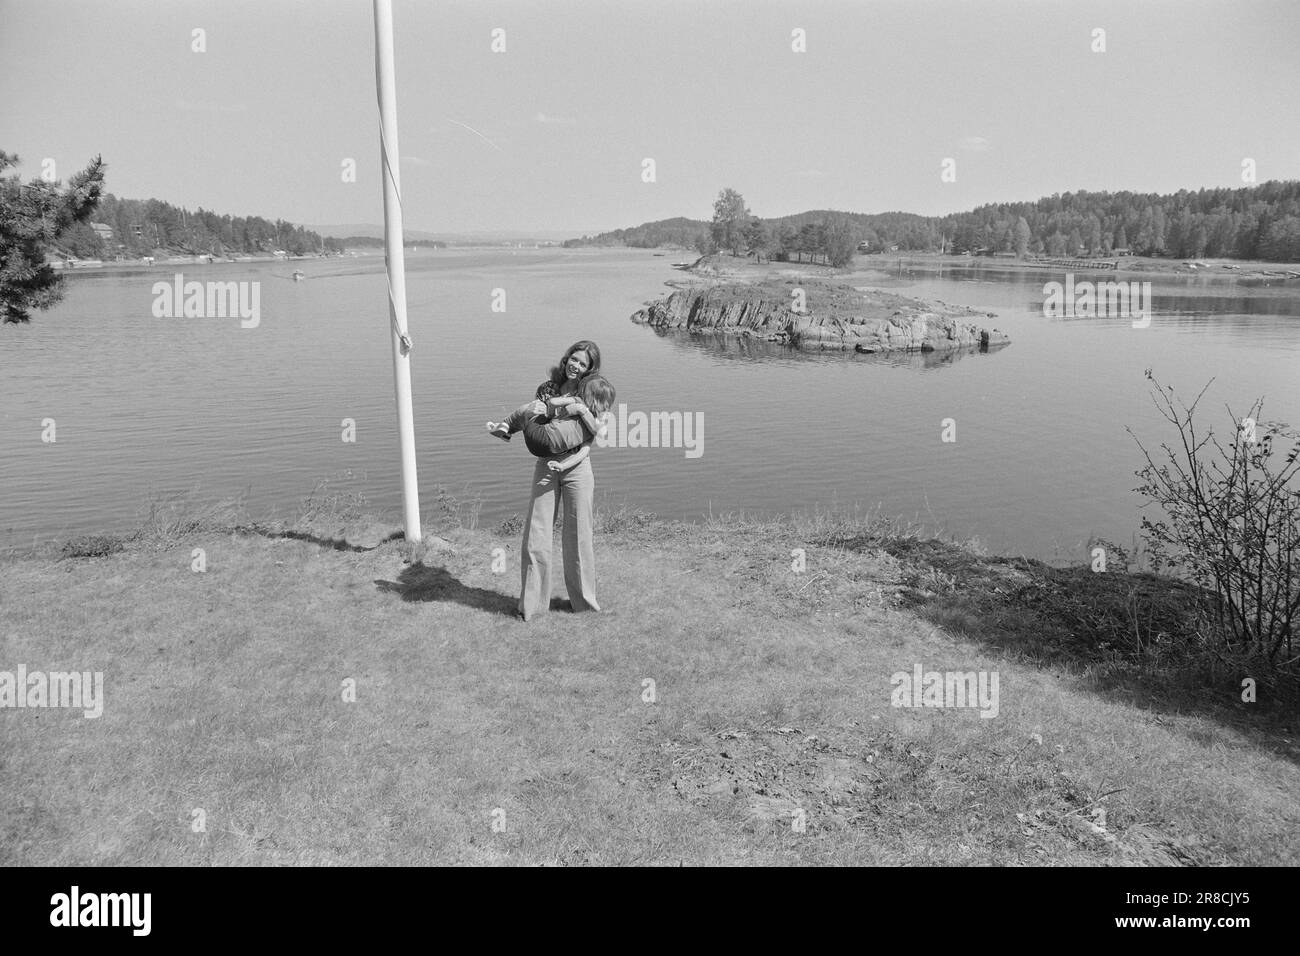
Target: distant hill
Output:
[
  {"x": 686, "y": 233},
  {"x": 676, "y": 232},
  {"x": 1251, "y": 222}
]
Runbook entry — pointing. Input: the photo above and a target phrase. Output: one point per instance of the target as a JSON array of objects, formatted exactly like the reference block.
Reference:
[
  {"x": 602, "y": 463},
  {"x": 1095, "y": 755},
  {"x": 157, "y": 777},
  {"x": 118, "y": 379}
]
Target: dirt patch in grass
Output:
[
  {"x": 997, "y": 803},
  {"x": 92, "y": 546}
]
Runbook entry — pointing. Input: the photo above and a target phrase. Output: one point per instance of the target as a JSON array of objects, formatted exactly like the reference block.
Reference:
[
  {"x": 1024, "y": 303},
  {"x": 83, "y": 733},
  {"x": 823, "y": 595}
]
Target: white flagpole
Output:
[{"x": 394, "y": 260}]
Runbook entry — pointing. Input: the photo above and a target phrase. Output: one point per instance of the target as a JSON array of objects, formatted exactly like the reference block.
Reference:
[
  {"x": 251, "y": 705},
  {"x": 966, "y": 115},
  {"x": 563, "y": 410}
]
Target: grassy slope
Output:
[{"x": 224, "y": 693}]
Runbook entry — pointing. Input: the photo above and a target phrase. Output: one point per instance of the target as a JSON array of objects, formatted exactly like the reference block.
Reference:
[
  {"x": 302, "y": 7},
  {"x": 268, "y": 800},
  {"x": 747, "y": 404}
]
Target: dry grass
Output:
[{"x": 771, "y": 705}]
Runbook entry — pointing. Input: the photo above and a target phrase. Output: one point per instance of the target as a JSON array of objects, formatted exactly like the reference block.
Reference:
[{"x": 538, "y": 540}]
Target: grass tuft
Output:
[{"x": 92, "y": 546}]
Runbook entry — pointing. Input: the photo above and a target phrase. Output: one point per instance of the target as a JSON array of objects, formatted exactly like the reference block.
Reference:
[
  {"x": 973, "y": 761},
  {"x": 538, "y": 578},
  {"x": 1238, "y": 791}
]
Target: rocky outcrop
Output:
[{"x": 814, "y": 314}]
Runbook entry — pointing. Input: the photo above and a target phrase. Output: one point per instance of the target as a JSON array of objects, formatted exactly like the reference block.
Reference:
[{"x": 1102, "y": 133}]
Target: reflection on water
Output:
[
  {"x": 751, "y": 348},
  {"x": 1190, "y": 295},
  {"x": 1041, "y": 459}
]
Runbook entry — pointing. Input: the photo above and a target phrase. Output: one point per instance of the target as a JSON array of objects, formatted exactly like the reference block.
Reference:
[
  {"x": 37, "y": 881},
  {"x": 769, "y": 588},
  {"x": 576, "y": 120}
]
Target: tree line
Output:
[
  {"x": 1255, "y": 222},
  {"x": 143, "y": 226}
]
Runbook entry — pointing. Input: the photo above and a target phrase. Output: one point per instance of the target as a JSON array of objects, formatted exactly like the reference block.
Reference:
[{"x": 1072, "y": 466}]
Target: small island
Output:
[{"x": 813, "y": 313}]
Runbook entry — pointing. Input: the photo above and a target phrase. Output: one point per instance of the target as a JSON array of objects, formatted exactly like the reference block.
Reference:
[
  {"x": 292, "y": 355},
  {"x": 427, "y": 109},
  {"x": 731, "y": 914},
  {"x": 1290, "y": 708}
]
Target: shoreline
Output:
[
  {"x": 99, "y": 267},
  {"x": 719, "y": 265},
  {"x": 54, "y": 546},
  {"x": 727, "y": 266},
  {"x": 1127, "y": 266},
  {"x": 88, "y": 266}
]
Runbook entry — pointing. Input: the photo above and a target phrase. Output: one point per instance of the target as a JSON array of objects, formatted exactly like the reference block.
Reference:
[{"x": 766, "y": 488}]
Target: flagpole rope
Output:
[{"x": 403, "y": 337}]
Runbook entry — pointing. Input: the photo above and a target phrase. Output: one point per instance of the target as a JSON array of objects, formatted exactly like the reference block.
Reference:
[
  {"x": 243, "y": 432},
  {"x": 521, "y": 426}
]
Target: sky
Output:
[{"x": 550, "y": 135}]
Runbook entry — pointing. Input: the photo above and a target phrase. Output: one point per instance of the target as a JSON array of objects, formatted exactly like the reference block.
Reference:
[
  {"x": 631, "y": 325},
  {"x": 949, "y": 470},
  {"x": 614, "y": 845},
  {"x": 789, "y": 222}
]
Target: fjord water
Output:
[{"x": 1042, "y": 460}]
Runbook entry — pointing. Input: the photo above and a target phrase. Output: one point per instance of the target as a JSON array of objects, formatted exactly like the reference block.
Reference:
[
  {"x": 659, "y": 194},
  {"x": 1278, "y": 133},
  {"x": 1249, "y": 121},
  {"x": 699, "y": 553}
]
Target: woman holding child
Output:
[{"x": 559, "y": 426}]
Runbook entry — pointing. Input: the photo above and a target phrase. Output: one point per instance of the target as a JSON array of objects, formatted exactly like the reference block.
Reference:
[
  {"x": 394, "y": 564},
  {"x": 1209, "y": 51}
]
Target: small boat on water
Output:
[{"x": 299, "y": 275}]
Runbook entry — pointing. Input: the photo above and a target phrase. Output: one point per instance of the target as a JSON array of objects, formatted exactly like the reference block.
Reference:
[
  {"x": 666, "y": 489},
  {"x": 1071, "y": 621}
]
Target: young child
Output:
[
  {"x": 594, "y": 397},
  {"x": 579, "y": 360}
]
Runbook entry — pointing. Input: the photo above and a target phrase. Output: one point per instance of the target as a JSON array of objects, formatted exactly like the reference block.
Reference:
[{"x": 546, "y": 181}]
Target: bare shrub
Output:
[{"x": 1230, "y": 526}]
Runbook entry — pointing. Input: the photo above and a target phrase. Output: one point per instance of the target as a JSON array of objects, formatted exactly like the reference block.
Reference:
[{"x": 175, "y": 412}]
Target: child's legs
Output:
[{"x": 518, "y": 418}]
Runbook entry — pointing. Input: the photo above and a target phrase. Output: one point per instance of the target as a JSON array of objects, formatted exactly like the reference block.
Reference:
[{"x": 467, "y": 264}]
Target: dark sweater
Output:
[{"x": 547, "y": 438}]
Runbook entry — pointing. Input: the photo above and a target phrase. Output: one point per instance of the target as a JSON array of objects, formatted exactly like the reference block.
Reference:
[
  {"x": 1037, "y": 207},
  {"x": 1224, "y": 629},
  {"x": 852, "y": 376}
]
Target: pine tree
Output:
[
  {"x": 757, "y": 238},
  {"x": 1022, "y": 237},
  {"x": 32, "y": 218}
]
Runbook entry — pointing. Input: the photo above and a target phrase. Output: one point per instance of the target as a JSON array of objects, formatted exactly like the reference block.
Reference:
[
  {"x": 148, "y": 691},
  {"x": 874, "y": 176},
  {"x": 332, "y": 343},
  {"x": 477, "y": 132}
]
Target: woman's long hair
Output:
[{"x": 558, "y": 378}]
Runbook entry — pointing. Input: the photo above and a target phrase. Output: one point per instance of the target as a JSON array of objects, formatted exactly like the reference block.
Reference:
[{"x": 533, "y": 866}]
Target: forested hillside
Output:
[
  {"x": 1256, "y": 222},
  {"x": 142, "y": 226}
]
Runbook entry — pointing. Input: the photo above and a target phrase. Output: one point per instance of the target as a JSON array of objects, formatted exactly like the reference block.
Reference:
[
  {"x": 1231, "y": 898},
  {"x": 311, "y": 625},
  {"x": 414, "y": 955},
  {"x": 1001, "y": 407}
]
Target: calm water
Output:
[{"x": 1042, "y": 460}]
